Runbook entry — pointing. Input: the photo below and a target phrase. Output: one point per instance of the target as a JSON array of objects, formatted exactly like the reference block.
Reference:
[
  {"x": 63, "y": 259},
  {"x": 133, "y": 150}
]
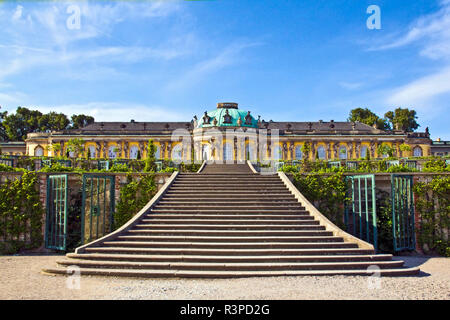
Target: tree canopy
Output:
[
  {"x": 402, "y": 119},
  {"x": 399, "y": 119},
  {"x": 368, "y": 117},
  {"x": 16, "y": 126}
]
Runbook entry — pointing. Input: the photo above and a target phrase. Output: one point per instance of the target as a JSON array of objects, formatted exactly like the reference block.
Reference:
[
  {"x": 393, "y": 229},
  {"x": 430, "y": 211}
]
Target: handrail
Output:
[
  {"x": 249, "y": 163},
  {"x": 133, "y": 221},
  {"x": 329, "y": 226},
  {"x": 202, "y": 166}
]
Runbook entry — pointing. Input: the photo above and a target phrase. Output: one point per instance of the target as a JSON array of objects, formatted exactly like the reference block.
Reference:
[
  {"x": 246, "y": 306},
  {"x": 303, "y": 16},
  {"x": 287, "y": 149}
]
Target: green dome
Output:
[{"x": 220, "y": 113}]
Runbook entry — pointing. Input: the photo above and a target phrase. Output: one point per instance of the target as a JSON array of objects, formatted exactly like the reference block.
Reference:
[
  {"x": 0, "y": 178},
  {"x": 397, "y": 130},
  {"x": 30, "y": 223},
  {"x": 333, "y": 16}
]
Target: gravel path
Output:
[{"x": 20, "y": 278}]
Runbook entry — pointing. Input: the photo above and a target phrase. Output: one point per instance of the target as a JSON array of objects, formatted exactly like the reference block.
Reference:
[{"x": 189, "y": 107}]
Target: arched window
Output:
[
  {"x": 134, "y": 152},
  {"x": 39, "y": 151},
  {"x": 158, "y": 152},
  {"x": 112, "y": 154},
  {"x": 342, "y": 153},
  {"x": 321, "y": 152},
  {"x": 176, "y": 152},
  {"x": 363, "y": 152},
  {"x": 276, "y": 153},
  {"x": 91, "y": 152},
  {"x": 227, "y": 152},
  {"x": 417, "y": 152},
  {"x": 298, "y": 152}
]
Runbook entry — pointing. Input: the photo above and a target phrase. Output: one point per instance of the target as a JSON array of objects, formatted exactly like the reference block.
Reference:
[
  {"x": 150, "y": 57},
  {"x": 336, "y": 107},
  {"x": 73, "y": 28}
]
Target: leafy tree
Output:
[
  {"x": 53, "y": 121},
  {"x": 18, "y": 125},
  {"x": 80, "y": 121},
  {"x": 76, "y": 146},
  {"x": 3, "y": 135},
  {"x": 56, "y": 147},
  {"x": 150, "y": 165},
  {"x": 385, "y": 149},
  {"x": 404, "y": 147},
  {"x": 367, "y": 117},
  {"x": 306, "y": 148},
  {"x": 402, "y": 119}
]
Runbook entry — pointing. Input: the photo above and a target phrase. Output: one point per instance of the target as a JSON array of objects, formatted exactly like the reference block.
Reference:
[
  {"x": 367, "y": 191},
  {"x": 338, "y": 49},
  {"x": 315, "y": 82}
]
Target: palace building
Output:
[{"x": 230, "y": 133}]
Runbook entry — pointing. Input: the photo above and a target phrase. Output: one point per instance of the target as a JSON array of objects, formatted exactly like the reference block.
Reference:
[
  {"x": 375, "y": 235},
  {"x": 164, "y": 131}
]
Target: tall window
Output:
[
  {"x": 158, "y": 152},
  {"x": 298, "y": 152},
  {"x": 363, "y": 151},
  {"x": 176, "y": 152},
  {"x": 227, "y": 152},
  {"x": 250, "y": 152},
  {"x": 112, "y": 154},
  {"x": 91, "y": 151},
  {"x": 134, "y": 152},
  {"x": 321, "y": 152},
  {"x": 417, "y": 152},
  {"x": 342, "y": 153}
]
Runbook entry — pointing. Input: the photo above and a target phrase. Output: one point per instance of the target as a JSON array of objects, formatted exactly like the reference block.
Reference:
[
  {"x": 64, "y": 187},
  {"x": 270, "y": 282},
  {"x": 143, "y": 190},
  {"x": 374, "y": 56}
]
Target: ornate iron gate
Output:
[
  {"x": 403, "y": 230},
  {"x": 97, "y": 206},
  {"x": 360, "y": 214},
  {"x": 56, "y": 219}
]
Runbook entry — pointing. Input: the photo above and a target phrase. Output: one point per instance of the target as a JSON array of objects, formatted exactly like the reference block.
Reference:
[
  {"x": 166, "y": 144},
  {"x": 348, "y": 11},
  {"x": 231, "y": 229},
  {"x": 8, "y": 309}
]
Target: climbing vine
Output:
[
  {"x": 21, "y": 214},
  {"x": 327, "y": 193},
  {"x": 133, "y": 197},
  {"x": 433, "y": 205}
]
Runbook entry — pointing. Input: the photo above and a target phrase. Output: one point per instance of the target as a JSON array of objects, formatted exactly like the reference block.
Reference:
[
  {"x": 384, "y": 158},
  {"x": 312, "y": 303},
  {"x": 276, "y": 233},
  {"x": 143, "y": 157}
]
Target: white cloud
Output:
[
  {"x": 38, "y": 37},
  {"x": 430, "y": 35},
  {"x": 421, "y": 91},
  {"x": 431, "y": 32},
  {"x": 8, "y": 99},
  {"x": 18, "y": 13}
]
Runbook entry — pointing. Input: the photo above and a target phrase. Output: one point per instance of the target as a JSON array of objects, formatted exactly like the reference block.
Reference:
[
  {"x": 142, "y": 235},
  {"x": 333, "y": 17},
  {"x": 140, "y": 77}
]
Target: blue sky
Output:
[{"x": 283, "y": 60}]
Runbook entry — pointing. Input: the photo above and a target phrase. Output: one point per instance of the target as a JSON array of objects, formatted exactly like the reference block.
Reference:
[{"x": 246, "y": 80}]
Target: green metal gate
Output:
[
  {"x": 56, "y": 218},
  {"x": 97, "y": 206},
  {"x": 403, "y": 229},
  {"x": 360, "y": 214}
]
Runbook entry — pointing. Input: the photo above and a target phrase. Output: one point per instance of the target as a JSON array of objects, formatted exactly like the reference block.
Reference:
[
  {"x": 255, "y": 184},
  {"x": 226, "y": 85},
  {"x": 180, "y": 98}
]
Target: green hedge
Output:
[
  {"x": 133, "y": 197},
  {"x": 433, "y": 206},
  {"x": 21, "y": 214}
]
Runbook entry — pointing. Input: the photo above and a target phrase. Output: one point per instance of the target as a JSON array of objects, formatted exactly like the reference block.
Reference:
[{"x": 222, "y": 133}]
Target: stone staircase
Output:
[{"x": 227, "y": 222}]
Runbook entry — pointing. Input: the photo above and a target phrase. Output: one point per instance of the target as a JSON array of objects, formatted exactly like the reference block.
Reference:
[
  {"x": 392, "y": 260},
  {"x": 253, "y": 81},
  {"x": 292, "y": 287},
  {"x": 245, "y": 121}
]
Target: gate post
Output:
[{"x": 417, "y": 220}]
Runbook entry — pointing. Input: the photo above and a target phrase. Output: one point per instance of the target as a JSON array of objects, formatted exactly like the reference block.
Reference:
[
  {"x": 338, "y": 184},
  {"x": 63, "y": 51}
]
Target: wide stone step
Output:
[
  {"x": 246, "y": 193},
  {"x": 214, "y": 206},
  {"x": 188, "y": 232},
  {"x": 249, "y": 217},
  {"x": 222, "y": 197},
  {"x": 191, "y": 221},
  {"x": 228, "y": 188},
  {"x": 231, "y": 211},
  {"x": 223, "y": 245},
  {"x": 229, "y": 274},
  {"x": 206, "y": 259},
  {"x": 250, "y": 227},
  {"x": 220, "y": 202},
  {"x": 238, "y": 266},
  {"x": 345, "y": 248},
  {"x": 227, "y": 183},
  {"x": 228, "y": 239}
]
